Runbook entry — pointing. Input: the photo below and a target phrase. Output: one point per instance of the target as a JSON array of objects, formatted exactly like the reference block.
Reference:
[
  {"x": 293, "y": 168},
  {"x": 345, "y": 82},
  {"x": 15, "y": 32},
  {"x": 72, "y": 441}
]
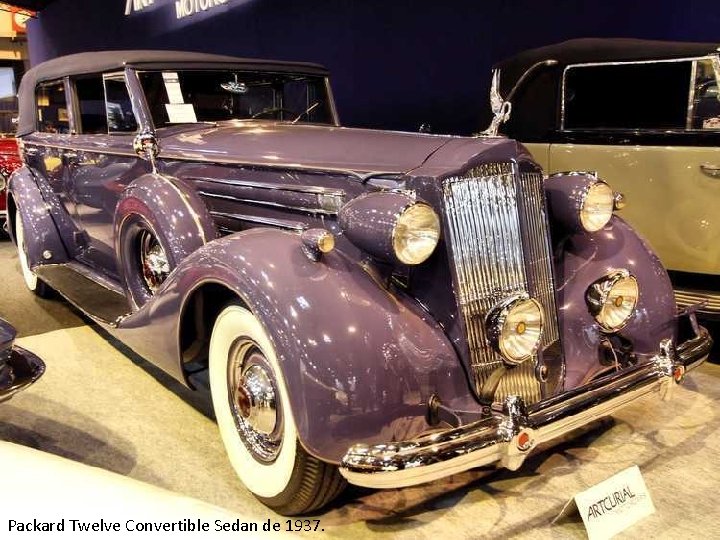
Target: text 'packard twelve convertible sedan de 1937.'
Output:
[{"x": 374, "y": 307}]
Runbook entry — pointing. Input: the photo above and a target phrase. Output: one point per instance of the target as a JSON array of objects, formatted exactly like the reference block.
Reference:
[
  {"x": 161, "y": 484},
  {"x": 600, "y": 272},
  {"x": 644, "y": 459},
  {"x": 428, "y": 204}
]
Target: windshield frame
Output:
[{"x": 146, "y": 121}]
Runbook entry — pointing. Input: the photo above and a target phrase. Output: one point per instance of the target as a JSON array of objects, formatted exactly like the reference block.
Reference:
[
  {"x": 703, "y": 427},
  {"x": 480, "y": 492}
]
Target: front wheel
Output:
[
  {"x": 255, "y": 419},
  {"x": 37, "y": 286}
]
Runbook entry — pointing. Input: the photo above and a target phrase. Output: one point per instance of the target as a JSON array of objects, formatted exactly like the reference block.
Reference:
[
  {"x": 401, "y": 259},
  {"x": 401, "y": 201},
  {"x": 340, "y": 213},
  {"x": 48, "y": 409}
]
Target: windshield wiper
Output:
[{"x": 310, "y": 109}]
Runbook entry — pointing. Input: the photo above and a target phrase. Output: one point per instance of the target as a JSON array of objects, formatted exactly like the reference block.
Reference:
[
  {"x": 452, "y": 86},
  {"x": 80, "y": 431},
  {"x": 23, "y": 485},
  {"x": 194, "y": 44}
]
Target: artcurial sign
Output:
[{"x": 183, "y": 8}]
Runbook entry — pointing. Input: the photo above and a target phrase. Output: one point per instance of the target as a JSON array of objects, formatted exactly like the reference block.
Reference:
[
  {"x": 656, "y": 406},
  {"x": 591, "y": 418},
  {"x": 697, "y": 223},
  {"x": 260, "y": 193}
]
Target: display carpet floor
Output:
[{"x": 101, "y": 407}]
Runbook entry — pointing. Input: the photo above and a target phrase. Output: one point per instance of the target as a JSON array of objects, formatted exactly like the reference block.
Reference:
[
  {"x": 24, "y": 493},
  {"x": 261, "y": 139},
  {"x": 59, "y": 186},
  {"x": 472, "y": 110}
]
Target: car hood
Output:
[{"x": 303, "y": 146}]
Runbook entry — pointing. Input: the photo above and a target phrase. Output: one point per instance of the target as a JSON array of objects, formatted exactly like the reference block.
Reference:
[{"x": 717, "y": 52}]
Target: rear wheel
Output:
[
  {"x": 255, "y": 419},
  {"x": 32, "y": 282}
]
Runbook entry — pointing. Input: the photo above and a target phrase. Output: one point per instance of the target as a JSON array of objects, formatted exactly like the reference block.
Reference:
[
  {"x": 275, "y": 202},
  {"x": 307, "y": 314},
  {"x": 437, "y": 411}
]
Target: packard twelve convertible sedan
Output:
[{"x": 375, "y": 307}]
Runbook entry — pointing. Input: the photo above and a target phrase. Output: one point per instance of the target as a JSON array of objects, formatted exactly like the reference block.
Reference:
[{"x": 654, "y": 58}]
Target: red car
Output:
[{"x": 9, "y": 161}]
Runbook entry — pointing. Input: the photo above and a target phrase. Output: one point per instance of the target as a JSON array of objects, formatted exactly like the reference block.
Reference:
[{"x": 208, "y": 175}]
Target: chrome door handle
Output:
[
  {"x": 710, "y": 170},
  {"x": 70, "y": 155},
  {"x": 31, "y": 151}
]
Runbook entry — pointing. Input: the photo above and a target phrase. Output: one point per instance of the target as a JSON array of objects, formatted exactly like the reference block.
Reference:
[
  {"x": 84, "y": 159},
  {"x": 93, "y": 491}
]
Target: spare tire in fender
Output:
[{"x": 158, "y": 222}]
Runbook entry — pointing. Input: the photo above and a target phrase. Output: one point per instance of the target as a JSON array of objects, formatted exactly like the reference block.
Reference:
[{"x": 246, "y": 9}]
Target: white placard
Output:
[
  {"x": 172, "y": 87},
  {"x": 614, "y": 504},
  {"x": 181, "y": 113}
]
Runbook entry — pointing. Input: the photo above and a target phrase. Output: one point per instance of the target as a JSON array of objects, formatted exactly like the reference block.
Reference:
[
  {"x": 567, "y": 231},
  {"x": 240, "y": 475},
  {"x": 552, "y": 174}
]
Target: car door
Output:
[
  {"x": 102, "y": 163},
  {"x": 652, "y": 130}
]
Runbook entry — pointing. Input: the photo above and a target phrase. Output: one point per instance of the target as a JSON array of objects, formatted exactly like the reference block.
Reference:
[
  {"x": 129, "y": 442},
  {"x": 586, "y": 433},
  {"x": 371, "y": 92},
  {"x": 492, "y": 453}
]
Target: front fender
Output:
[
  {"x": 41, "y": 233},
  {"x": 582, "y": 258},
  {"x": 360, "y": 363}
]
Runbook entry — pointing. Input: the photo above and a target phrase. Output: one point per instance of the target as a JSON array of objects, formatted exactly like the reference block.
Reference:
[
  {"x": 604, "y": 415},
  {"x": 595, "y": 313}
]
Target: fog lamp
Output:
[
  {"x": 515, "y": 327},
  {"x": 612, "y": 299}
]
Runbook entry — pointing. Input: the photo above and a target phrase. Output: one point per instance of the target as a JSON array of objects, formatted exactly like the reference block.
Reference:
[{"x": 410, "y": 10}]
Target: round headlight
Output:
[
  {"x": 515, "y": 327},
  {"x": 416, "y": 233},
  {"x": 597, "y": 206},
  {"x": 612, "y": 300}
]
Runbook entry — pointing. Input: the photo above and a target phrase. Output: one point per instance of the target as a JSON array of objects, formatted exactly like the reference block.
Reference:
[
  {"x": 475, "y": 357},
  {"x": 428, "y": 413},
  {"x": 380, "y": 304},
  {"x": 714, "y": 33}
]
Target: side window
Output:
[
  {"x": 627, "y": 96},
  {"x": 52, "y": 110},
  {"x": 118, "y": 107},
  {"x": 91, "y": 105},
  {"x": 705, "y": 104}
]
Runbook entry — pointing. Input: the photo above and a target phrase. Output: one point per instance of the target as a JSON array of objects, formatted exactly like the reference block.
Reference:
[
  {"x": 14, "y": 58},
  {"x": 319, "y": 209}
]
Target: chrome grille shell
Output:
[{"x": 499, "y": 246}]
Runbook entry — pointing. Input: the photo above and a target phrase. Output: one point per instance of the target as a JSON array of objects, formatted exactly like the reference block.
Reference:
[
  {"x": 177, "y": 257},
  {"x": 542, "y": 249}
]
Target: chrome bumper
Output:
[
  {"x": 18, "y": 371},
  {"x": 507, "y": 436}
]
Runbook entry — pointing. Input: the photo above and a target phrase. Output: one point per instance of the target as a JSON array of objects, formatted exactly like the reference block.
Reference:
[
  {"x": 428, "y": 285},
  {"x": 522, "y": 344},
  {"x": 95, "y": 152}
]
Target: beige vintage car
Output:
[{"x": 645, "y": 115}]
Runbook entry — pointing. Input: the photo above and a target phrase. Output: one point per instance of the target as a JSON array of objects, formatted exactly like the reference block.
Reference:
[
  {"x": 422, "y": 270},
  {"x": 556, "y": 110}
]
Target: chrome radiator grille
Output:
[{"x": 499, "y": 242}]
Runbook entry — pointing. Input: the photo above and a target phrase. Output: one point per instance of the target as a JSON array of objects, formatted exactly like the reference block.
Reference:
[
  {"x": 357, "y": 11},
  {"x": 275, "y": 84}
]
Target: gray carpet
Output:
[{"x": 103, "y": 408}]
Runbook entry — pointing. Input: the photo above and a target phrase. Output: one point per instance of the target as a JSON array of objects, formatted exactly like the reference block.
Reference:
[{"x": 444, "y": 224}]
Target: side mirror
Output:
[{"x": 146, "y": 147}]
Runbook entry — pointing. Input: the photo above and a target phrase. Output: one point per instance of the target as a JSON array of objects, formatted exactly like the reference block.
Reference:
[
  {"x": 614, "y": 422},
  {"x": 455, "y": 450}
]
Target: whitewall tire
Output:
[
  {"x": 258, "y": 429},
  {"x": 37, "y": 286}
]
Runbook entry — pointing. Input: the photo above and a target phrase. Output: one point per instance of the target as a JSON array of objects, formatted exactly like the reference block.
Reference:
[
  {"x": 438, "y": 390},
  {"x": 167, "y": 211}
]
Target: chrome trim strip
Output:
[
  {"x": 268, "y": 185},
  {"x": 710, "y": 301},
  {"x": 268, "y": 203},
  {"x": 360, "y": 175},
  {"x": 628, "y": 62},
  {"x": 282, "y": 223},
  {"x": 506, "y": 438}
]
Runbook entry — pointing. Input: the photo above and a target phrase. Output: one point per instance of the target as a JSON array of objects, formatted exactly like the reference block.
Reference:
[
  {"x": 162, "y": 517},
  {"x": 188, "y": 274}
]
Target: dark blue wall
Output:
[{"x": 395, "y": 63}]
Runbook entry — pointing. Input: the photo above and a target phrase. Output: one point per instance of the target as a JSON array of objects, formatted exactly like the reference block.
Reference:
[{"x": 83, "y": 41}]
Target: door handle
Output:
[
  {"x": 70, "y": 155},
  {"x": 31, "y": 151},
  {"x": 710, "y": 170}
]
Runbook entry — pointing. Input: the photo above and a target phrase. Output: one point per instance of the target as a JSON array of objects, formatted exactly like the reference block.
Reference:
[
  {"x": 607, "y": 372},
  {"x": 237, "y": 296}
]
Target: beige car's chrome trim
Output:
[{"x": 708, "y": 300}]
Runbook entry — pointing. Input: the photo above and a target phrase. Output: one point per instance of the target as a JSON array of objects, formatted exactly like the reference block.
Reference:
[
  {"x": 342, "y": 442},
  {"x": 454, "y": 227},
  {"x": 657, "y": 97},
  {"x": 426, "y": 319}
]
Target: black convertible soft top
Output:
[
  {"x": 536, "y": 106},
  {"x": 103, "y": 61}
]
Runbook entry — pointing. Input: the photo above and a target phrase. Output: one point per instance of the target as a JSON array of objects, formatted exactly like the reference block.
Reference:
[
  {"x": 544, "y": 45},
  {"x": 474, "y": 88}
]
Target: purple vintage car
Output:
[
  {"x": 378, "y": 307},
  {"x": 19, "y": 368}
]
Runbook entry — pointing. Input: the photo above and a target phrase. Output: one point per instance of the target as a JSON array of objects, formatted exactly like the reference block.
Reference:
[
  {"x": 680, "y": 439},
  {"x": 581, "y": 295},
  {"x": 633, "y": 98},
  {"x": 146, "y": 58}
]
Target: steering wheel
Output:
[{"x": 273, "y": 110}]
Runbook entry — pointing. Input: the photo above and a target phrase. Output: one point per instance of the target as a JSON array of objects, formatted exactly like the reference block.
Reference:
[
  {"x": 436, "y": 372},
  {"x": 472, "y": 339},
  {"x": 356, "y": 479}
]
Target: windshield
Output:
[{"x": 178, "y": 97}]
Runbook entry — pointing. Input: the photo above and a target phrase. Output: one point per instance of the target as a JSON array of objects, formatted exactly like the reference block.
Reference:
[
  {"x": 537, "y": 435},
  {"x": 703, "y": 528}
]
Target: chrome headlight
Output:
[
  {"x": 580, "y": 201},
  {"x": 597, "y": 206},
  {"x": 612, "y": 299},
  {"x": 391, "y": 226},
  {"x": 515, "y": 327},
  {"x": 416, "y": 233}
]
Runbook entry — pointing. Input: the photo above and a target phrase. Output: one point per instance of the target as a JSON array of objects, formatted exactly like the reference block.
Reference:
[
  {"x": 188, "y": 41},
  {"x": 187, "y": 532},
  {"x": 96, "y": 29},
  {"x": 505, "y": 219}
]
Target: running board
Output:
[{"x": 93, "y": 295}]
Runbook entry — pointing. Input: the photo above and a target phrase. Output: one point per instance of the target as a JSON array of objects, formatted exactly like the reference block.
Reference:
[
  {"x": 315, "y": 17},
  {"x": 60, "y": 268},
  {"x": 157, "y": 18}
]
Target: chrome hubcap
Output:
[
  {"x": 154, "y": 262},
  {"x": 254, "y": 401}
]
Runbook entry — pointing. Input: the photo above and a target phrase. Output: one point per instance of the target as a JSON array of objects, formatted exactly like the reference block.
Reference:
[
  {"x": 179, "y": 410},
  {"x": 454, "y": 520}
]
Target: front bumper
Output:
[{"x": 506, "y": 437}]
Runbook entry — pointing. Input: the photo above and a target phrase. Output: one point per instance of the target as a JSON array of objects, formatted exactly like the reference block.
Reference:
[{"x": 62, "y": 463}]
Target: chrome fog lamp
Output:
[
  {"x": 515, "y": 327},
  {"x": 416, "y": 233},
  {"x": 612, "y": 299},
  {"x": 391, "y": 226},
  {"x": 597, "y": 206}
]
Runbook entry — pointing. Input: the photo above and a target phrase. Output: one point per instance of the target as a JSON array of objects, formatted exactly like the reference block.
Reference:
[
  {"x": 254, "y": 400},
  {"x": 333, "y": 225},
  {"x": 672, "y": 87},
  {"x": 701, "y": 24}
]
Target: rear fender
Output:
[{"x": 43, "y": 241}]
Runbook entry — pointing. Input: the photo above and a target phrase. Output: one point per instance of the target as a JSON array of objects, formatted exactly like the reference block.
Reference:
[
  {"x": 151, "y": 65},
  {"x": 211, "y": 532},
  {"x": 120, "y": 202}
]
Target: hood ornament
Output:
[{"x": 501, "y": 109}]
